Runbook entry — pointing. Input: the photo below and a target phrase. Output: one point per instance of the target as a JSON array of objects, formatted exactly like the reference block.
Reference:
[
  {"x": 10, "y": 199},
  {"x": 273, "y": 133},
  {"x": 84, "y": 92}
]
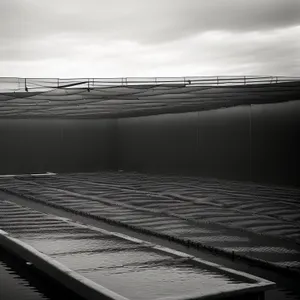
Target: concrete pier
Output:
[{"x": 95, "y": 262}]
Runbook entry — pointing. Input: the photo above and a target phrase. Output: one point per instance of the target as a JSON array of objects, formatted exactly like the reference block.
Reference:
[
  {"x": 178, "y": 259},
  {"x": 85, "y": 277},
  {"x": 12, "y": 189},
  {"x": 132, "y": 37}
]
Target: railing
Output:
[{"x": 15, "y": 84}]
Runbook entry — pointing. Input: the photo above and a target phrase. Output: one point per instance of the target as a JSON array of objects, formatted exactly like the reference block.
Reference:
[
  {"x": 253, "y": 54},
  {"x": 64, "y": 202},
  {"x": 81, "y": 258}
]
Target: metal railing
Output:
[{"x": 16, "y": 84}]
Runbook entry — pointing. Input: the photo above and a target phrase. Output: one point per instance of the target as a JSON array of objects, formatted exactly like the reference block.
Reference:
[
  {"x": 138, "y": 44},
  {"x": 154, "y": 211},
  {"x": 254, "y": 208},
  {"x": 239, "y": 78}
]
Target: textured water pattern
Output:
[
  {"x": 136, "y": 270},
  {"x": 208, "y": 212},
  {"x": 158, "y": 281},
  {"x": 12, "y": 286}
]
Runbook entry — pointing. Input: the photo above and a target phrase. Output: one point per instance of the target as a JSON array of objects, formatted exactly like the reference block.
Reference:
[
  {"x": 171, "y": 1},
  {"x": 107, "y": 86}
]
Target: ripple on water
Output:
[
  {"x": 12, "y": 286},
  {"x": 158, "y": 280}
]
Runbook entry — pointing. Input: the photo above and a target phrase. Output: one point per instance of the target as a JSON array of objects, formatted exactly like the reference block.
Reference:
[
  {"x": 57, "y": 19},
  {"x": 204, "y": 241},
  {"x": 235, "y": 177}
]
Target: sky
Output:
[{"x": 125, "y": 38}]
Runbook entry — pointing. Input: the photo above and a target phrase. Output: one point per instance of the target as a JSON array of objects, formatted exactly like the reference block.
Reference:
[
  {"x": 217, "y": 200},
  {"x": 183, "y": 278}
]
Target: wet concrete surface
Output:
[
  {"x": 159, "y": 206},
  {"x": 287, "y": 287},
  {"x": 136, "y": 270}
]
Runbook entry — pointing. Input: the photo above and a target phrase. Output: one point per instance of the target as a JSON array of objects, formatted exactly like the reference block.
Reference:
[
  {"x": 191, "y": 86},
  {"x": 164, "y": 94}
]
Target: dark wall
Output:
[
  {"x": 29, "y": 146},
  {"x": 259, "y": 144},
  {"x": 275, "y": 143},
  {"x": 243, "y": 143}
]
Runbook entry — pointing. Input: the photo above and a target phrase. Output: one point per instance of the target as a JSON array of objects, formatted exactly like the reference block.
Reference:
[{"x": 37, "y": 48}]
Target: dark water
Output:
[
  {"x": 19, "y": 281},
  {"x": 15, "y": 287}
]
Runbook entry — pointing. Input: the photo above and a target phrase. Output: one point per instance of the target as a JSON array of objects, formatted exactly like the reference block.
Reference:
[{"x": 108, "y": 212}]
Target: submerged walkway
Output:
[
  {"x": 97, "y": 263},
  {"x": 255, "y": 222}
]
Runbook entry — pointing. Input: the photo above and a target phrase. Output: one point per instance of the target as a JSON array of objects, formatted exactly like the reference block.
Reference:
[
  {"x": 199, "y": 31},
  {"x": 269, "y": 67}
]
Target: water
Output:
[
  {"x": 13, "y": 286},
  {"x": 130, "y": 268},
  {"x": 20, "y": 281}
]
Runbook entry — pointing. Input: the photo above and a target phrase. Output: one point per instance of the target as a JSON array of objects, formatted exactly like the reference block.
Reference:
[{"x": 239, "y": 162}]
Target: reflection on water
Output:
[
  {"x": 12, "y": 286},
  {"x": 282, "y": 294},
  {"x": 18, "y": 281}
]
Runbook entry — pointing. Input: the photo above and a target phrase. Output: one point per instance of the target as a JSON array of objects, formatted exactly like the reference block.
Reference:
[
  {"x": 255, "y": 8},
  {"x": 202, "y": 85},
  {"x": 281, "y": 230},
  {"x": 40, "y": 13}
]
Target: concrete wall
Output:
[
  {"x": 28, "y": 146},
  {"x": 218, "y": 143},
  {"x": 243, "y": 143}
]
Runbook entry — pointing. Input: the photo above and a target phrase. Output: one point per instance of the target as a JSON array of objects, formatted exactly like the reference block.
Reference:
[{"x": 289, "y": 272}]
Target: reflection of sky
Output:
[{"x": 148, "y": 38}]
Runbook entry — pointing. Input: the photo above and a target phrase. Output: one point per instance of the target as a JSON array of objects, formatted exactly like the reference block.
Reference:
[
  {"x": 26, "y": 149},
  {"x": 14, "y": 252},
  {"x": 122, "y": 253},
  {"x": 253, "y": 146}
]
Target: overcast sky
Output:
[{"x": 118, "y": 38}]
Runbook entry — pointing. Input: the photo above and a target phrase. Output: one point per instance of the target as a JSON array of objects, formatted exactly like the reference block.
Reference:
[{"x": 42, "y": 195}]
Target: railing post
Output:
[
  {"x": 26, "y": 88},
  {"x": 244, "y": 80}
]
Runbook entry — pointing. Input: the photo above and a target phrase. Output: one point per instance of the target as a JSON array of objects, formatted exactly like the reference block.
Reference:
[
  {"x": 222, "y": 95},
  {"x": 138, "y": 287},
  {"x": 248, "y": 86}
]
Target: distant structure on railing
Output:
[{"x": 15, "y": 84}]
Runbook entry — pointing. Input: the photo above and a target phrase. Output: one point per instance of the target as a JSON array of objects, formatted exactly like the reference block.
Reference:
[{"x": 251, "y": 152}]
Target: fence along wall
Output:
[
  {"x": 29, "y": 146},
  {"x": 242, "y": 143}
]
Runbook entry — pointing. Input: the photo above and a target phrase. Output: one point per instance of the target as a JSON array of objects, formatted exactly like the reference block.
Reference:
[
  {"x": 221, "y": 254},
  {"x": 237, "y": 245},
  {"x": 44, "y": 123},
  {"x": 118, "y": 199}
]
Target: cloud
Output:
[
  {"x": 145, "y": 21},
  {"x": 95, "y": 38},
  {"x": 210, "y": 53}
]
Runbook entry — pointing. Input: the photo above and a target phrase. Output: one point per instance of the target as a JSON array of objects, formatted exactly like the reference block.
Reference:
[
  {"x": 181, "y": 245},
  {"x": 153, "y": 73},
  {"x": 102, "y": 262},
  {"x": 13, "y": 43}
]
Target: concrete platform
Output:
[
  {"x": 95, "y": 262},
  {"x": 255, "y": 222}
]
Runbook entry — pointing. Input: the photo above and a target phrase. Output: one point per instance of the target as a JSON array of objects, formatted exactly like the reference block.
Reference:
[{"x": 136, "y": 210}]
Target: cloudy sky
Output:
[{"x": 118, "y": 38}]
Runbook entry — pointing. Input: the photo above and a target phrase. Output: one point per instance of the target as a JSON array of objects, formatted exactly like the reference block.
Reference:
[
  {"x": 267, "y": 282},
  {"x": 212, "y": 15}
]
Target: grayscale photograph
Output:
[{"x": 149, "y": 150}]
